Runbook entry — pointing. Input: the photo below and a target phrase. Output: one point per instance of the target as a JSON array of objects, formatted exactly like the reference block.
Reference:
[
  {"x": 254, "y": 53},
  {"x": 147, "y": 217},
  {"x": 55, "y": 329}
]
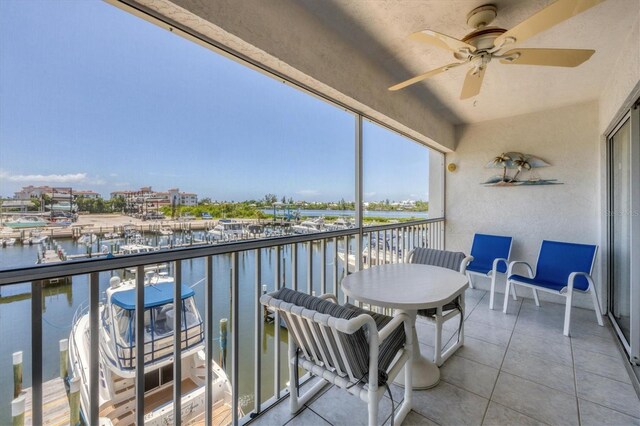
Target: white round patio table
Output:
[{"x": 408, "y": 287}]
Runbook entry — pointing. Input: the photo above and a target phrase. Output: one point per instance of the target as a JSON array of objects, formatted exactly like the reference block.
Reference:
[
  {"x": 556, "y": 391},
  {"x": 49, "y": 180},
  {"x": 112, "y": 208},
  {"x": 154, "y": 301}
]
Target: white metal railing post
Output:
[
  {"x": 208, "y": 327},
  {"x": 36, "y": 352},
  {"x": 310, "y": 267},
  {"x": 140, "y": 345},
  {"x": 294, "y": 266},
  {"x": 94, "y": 366},
  {"x": 177, "y": 344},
  {"x": 335, "y": 267},
  {"x": 323, "y": 263}
]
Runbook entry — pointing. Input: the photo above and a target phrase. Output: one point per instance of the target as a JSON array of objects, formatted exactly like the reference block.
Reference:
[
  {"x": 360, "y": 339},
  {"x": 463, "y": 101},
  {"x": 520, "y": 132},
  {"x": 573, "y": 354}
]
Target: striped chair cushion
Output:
[
  {"x": 355, "y": 345},
  {"x": 392, "y": 344},
  {"x": 444, "y": 259}
]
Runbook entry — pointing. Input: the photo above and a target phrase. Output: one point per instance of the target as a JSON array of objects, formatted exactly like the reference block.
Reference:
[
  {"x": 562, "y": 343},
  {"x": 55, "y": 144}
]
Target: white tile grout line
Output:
[
  {"x": 575, "y": 379},
  {"x": 502, "y": 362}
]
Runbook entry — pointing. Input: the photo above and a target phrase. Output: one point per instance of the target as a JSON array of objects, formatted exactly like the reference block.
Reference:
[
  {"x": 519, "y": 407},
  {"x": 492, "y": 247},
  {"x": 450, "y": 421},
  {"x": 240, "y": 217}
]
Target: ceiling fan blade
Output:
[
  {"x": 424, "y": 76},
  {"x": 442, "y": 41},
  {"x": 548, "y": 57},
  {"x": 551, "y": 15},
  {"x": 472, "y": 83}
]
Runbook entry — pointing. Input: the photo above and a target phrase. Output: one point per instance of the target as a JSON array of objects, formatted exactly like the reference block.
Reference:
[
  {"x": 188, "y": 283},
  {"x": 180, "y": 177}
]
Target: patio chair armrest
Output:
[
  {"x": 409, "y": 256},
  {"x": 465, "y": 262},
  {"x": 519, "y": 262},
  {"x": 329, "y": 296},
  {"x": 496, "y": 262},
  {"x": 572, "y": 278},
  {"x": 398, "y": 320}
]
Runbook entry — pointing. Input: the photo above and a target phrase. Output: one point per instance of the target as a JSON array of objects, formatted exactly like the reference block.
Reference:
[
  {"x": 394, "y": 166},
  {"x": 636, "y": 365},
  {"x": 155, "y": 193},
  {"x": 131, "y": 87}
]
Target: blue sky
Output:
[{"x": 95, "y": 98}]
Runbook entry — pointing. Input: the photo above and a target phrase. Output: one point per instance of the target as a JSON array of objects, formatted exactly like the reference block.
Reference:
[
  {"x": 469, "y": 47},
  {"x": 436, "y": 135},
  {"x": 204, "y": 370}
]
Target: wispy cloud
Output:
[
  {"x": 308, "y": 192},
  {"x": 54, "y": 178},
  {"x": 369, "y": 194}
]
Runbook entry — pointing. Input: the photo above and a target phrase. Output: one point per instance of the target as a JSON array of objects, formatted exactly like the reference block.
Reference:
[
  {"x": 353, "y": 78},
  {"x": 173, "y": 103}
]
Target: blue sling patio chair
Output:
[
  {"x": 562, "y": 268},
  {"x": 490, "y": 256}
]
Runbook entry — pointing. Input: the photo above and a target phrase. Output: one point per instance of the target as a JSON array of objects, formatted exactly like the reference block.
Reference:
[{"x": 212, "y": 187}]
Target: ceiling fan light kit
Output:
[{"x": 485, "y": 43}]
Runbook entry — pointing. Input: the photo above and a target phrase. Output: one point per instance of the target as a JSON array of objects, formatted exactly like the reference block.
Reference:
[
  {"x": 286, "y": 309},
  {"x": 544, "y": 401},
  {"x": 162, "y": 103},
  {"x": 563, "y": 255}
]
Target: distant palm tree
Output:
[
  {"x": 502, "y": 160},
  {"x": 521, "y": 163}
]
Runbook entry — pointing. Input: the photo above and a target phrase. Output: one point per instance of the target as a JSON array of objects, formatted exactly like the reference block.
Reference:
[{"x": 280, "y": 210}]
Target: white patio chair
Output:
[
  {"x": 456, "y": 261},
  {"x": 354, "y": 349}
]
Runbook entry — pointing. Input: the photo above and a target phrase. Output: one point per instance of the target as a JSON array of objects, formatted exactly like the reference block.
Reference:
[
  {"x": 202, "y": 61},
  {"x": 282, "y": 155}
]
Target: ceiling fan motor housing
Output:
[{"x": 482, "y": 16}]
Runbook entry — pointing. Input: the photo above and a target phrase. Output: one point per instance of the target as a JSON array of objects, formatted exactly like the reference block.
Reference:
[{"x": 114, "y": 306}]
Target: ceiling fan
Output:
[{"x": 485, "y": 43}]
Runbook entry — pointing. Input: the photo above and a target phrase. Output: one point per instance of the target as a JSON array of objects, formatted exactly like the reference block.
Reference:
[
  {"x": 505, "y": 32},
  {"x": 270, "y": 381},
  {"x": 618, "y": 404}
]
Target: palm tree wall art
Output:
[{"x": 524, "y": 166}]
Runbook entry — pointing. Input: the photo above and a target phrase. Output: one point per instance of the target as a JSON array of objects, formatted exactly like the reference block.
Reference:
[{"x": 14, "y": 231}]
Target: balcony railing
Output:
[{"x": 340, "y": 252}]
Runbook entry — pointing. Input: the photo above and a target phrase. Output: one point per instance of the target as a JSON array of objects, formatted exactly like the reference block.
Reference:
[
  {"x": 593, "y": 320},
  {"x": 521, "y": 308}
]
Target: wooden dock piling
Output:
[
  {"x": 17, "y": 410},
  {"x": 17, "y": 373},
  {"x": 223, "y": 342},
  {"x": 64, "y": 358},
  {"x": 74, "y": 401}
]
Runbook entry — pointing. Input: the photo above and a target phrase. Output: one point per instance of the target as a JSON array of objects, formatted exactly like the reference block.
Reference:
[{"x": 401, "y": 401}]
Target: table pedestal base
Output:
[{"x": 425, "y": 374}]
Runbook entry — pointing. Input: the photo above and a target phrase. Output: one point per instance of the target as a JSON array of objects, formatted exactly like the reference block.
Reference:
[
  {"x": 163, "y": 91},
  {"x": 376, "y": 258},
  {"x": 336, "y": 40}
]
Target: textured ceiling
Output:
[{"x": 380, "y": 30}]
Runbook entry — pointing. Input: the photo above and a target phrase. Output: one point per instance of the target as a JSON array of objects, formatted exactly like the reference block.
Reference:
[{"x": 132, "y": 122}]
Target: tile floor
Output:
[{"x": 515, "y": 369}]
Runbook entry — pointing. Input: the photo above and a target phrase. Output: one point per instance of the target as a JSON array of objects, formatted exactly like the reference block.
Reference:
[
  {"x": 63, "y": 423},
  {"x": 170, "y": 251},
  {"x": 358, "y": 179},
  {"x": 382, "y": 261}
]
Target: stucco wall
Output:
[
  {"x": 624, "y": 77},
  {"x": 568, "y": 139}
]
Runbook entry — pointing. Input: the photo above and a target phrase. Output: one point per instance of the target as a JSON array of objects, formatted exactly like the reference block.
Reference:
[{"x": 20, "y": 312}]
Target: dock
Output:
[{"x": 55, "y": 403}]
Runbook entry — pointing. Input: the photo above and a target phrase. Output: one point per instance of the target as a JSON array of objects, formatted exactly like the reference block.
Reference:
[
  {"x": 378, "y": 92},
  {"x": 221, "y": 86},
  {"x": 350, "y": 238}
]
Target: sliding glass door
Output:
[{"x": 624, "y": 228}]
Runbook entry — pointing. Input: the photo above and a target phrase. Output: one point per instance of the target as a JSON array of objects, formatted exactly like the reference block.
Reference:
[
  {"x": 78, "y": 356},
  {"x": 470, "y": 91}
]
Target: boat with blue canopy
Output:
[{"x": 118, "y": 361}]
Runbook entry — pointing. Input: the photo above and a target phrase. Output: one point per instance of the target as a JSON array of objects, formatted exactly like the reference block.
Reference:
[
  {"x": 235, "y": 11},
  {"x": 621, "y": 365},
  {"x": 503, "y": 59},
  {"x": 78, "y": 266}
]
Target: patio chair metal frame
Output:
[
  {"x": 492, "y": 274},
  {"x": 440, "y": 317},
  {"x": 303, "y": 335},
  {"x": 566, "y": 292}
]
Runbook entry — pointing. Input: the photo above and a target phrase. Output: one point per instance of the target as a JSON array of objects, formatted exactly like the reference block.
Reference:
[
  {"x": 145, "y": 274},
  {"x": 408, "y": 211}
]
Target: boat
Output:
[
  {"x": 340, "y": 224},
  {"x": 308, "y": 226},
  {"x": 4, "y": 242},
  {"x": 26, "y": 222},
  {"x": 206, "y": 216},
  {"x": 136, "y": 249},
  {"x": 186, "y": 217},
  {"x": 117, "y": 356},
  {"x": 227, "y": 230},
  {"x": 375, "y": 254},
  {"x": 166, "y": 231},
  {"x": 87, "y": 239},
  {"x": 107, "y": 236},
  {"x": 35, "y": 237}
]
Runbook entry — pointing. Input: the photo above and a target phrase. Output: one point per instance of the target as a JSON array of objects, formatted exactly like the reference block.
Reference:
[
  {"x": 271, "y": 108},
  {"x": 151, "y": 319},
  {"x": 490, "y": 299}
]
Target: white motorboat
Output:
[
  {"x": 4, "y": 242},
  {"x": 309, "y": 226},
  {"x": 136, "y": 249},
  {"x": 26, "y": 222},
  {"x": 227, "y": 230},
  {"x": 117, "y": 350},
  {"x": 377, "y": 253},
  {"x": 166, "y": 231},
  {"x": 87, "y": 239},
  {"x": 340, "y": 224},
  {"x": 35, "y": 237}
]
